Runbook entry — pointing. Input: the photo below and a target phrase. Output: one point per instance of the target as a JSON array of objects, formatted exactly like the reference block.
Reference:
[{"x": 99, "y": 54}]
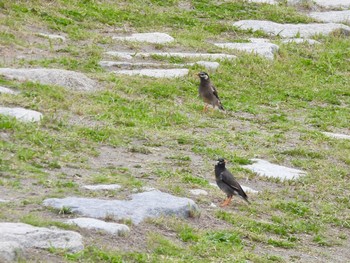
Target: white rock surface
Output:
[
  {"x": 198, "y": 192},
  {"x": 52, "y": 36},
  {"x": 333, "y": 3},
  {"x": 264, "y": 49},
  {"x": 208, "y": 64},
  {"x": 95, "y": 224},
  {"x": 332, "y": 16},
  {"x": 10, "y": 251},
  {"x": 301, "y": 41},
  {"x": 141, "y": 206},
  {"x": 265, "y": 168},
  {"x": 290, "y": 30},
  {"x": 337, "y": 135},
  {"x": 155, "y": 38},
  {"x": 19, "y": 236},
  {"x": 156, "y": 73},
  {"x": 130, "y": 55},
  {"x": 245, "y": 188},
  {"x": 102, "y": 187},
  {"x": 249, "y": 190},
  {"x": 3, "y": 201},
  {"x": 65, "y": 78},
  {"x": 22, "y": 114},
  {"x": 8, "y": 91}
]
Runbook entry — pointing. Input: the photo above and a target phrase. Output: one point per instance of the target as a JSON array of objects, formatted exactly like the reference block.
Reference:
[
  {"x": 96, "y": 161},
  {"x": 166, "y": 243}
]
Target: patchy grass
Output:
[{"x": 276, "y": 110}]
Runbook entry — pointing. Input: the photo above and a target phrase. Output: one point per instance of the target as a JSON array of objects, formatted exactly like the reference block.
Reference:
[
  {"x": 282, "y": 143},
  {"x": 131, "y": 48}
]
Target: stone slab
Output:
[
  {"x": 8, "y": 91},
  {"x": 10, "y": 251},
  {"x": 26, "y": 236},
  {"x": 22, "y": 114},
  {"x": 332, "y": 16},
  {"x": 301, "y": 41},
  {"x": 131, "y": 55},
  {"x": 102, "y": 187},
  {"x": 52, "y": 36},
  {"x": 265, "y": 168},
  {"x": 264, "y": 49},
  {"x": 60, "y": 77},
  {"x": 198, "y": 192},
  {"x": 95, "y": 224},
  {"x": 154, "y": 38},
  {"x": 150, "y": 204},
  {"x": 333, "y": 3},
  {"x": 337, "y": 135},
  {"x": 156, "y": 73},
  {"x": 290, "y": 30}
]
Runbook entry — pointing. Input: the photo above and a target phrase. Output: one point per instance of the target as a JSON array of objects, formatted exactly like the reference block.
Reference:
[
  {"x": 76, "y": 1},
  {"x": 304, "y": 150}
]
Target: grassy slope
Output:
[{"x": 277, "y": 111}]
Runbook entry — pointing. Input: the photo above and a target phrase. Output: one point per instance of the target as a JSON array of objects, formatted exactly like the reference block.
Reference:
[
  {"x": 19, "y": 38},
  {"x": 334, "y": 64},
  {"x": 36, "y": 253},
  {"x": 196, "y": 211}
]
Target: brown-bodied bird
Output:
[
  {"x": 208, "y": 92},
  {"x": 227, "y": 183}
]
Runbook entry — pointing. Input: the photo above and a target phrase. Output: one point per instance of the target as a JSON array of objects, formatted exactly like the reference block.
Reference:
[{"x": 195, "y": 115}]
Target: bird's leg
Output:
[
  {"x": 226, "y": 202},
  {"x": 205, "y": 108}
]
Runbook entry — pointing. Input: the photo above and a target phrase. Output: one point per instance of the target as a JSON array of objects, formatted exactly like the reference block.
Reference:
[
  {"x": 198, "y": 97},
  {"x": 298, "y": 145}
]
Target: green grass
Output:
[{"x": 276, "y": 110}]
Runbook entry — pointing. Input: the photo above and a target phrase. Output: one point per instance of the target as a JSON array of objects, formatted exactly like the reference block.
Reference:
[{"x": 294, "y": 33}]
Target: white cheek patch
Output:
[{"x": 206, "y": 77}]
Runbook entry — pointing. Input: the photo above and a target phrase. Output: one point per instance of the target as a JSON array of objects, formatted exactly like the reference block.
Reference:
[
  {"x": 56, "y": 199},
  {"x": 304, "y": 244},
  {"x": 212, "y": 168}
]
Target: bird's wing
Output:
[
  {"x": 215, "y": 92},
  {"x": 228, "y": 179}
]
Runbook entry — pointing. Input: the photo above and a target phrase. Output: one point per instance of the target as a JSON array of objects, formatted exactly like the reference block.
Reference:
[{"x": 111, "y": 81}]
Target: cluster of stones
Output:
[{"x": 16, "y": 237}]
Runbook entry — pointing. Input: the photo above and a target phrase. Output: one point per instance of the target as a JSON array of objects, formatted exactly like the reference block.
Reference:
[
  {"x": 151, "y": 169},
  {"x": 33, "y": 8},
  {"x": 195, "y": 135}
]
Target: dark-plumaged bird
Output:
[
  {"x": 227, "y": 183},
  {"x": 208, "y": 92}
]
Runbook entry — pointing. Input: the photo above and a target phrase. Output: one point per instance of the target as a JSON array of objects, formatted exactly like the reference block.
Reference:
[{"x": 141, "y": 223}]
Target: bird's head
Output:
[
  {"x": 203, "y": 75},
  {"x": 221, "y": 162}
]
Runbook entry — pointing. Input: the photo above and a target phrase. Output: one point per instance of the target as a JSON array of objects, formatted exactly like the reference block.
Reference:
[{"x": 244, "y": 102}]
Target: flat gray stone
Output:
[
  {"x": 245, "y": 188},
  {"x": 337, "y": 135},
  {"x": 102, "y": 187},
  {"x": 24, "y": 236},
  {"x": 210, "y": 65},
  {"x": 301, "y": 41},
  {"x": 264, "y": 49},
  {"x": 156, "y": 73},
  {"x": 265, "y": 168},
  {"x": 332, "y": 16},
  {"x": 10, "y": 251},
  {"x": 155, "y": 38},
  {"x": 249, "y": 190},
  {"x": 333, "y": 3},
  {"x": 95, "y": 224},
  {"x": 22, "y": 114},
  {"x": 52, "y": 36},
  {"x": 4, "y": 201},
  {"x": 60, "y": 77},
  {"x": 150, "y": 204},
  {"x": 290, "y": 30},
  {"x": 8, "y": 91},
  {"x": 131, "y": 55},
  {"x": 198, "y": 192}
]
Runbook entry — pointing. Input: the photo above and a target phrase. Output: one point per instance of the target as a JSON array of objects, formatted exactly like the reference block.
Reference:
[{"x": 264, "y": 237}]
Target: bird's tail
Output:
[
  {"x": 244, "y": 196},
  {"x": 220, "y": 106}
]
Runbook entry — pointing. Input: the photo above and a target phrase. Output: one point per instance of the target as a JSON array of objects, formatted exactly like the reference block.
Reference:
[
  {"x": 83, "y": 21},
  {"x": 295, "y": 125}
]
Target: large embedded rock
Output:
[
  {"x": 130, "y": 55},
  {"x": 95, "y": 224},
  {"x": 333, "y": 3},
  {"x": 8, "y": 91},
  {"x": 264, "y": 49},
  {"x": 156, "y": 73},
  {"x": 141, "y": 206},
  {"x": 18, "y": 237},
  {"x": 154, "y": 38},
  {"x": 22, "y": 114},
  {"x": 332, "y": 16},
  {"x": 290, "y": 30},
  {"x": 337, "y": 135},
  {"x": 265, "y": 168},
  {"x": 60, "y": 77}
]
